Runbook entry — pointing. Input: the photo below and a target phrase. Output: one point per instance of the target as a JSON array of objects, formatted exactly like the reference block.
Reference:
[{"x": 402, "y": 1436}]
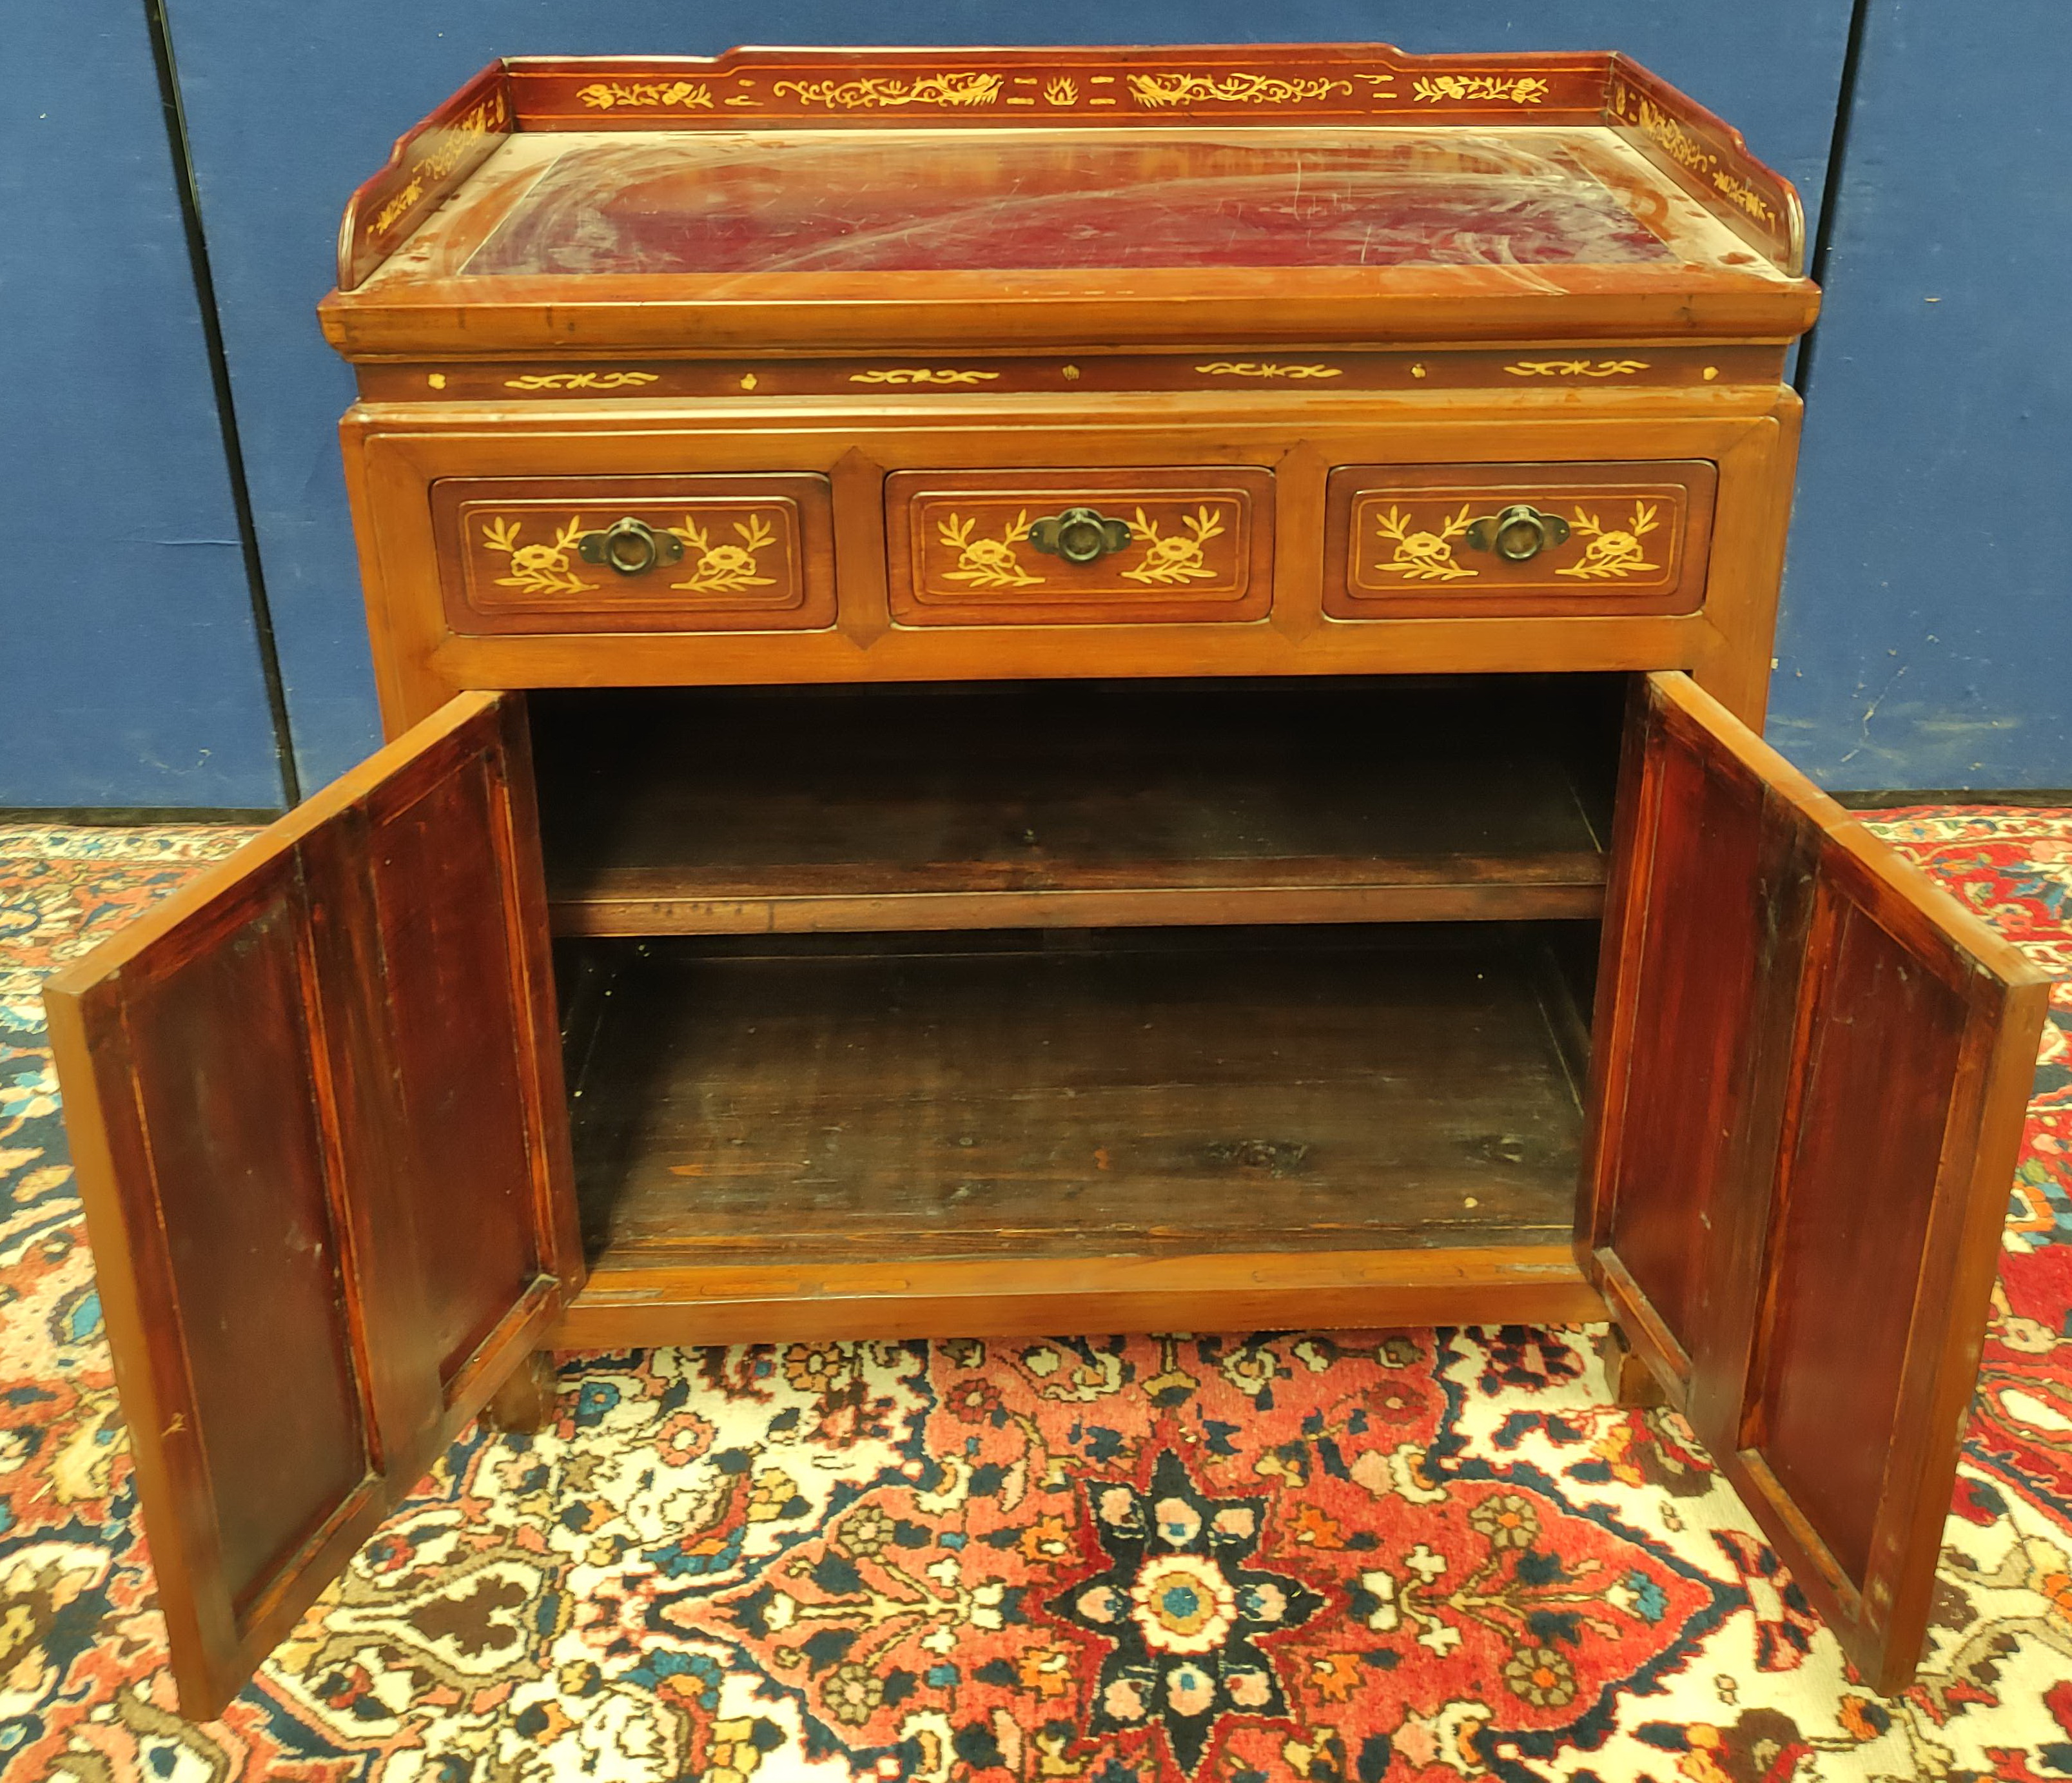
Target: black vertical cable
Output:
[
  {"x": 218, "y": 368},
  {"x": 1831, "y": 189}
]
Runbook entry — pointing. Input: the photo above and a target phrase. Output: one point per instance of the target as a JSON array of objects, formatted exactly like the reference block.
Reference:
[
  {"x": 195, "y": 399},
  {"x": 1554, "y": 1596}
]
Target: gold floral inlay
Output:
[
  {"x": 716, "y": 568},
  {"x": 1743, "y": 196},
  {"x": 398, "y": 205},
  {"x": 1176, "y": 557},
  {"x": 1063, "y": 91},
  {"x": 455, "y": 140},
  {"x": 1157, "y": 90},
  {"x": 1522, "y": 90},
  {"x": 580, "y": 380},
  {"x": 1421, "y": 557},
  {"x": 986, "y": 563},
  {"x": 1576, "y": 367},
  {"x": 1613, "y": 555},
  {"x": 538, "y": 568},
  {"x": 686, "y": 95},
  {"x": 1676, "y": 141},
  {"x": 1667, "y": 133},
  {"x": 724, "y": 568},
  {"x": 920, "y": 375},
  {"x": 875, "y": 92},
  {"x": 1266, "y": 368}
]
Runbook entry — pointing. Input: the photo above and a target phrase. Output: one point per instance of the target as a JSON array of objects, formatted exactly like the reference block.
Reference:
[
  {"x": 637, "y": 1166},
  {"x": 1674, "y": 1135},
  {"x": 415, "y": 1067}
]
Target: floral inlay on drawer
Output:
[
  {"x": 693, "y": 553},
  {"x": 1512, "y": 540},
  {"x": 1041, "y": 547}
]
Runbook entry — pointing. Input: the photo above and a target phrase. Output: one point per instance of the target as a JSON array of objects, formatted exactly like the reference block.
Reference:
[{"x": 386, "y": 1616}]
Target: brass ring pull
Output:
[
  {"x": 1520, "y": 533},
  {"x": 631, "y": 546},
  {"x": 1080, "y": 536}
]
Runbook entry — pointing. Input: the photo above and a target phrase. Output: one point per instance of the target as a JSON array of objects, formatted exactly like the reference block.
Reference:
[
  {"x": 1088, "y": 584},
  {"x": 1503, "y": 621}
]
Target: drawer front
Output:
[
  {"x": 975, "y": 547},
  {"x": 690, "y": 553},
  {"x": 1507, "y": 541}
]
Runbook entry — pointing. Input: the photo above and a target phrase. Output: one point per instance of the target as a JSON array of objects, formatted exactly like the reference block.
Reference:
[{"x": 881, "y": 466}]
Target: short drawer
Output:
[
  {"x": 975, "y": 547},
  {"x": 689, "y": 554},
  {"x": 1508, "y": 541}
]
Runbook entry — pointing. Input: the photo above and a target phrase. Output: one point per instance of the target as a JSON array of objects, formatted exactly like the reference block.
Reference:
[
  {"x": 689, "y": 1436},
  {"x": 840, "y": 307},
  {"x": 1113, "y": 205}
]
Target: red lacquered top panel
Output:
[{"x": 882, "y": 203}]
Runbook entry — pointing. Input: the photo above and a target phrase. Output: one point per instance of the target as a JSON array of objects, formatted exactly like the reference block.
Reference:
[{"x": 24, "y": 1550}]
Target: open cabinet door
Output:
[
  {"x": 315, "y": 1108},
  {"x": 1808, "y": 1094}
]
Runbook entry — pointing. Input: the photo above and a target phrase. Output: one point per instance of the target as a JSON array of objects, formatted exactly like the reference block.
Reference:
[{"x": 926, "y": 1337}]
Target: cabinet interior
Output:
[
  {"x": 1075, "y": 970},
  {"x": 1075, "y": 803},
  {"x": 1076, "y": 1093}
]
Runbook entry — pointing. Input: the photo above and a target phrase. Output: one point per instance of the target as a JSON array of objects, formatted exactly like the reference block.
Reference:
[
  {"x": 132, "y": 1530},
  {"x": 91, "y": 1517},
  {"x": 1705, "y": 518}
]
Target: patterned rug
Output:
[{"x": 1437, "y": 1554}]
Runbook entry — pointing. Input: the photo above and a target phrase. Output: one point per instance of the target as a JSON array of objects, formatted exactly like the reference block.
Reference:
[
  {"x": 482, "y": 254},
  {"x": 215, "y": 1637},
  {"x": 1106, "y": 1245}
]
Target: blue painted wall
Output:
[
  {"x": 289, "y": 108},
  {"x": 1927, "y": 633},
  {"x": 129, "y": 668}
]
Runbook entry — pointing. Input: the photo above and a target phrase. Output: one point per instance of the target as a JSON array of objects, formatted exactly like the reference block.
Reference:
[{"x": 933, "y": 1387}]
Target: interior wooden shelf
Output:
[
  {"x": 1155, "y": 1094},
  {"x": 1072, "y": 805}
]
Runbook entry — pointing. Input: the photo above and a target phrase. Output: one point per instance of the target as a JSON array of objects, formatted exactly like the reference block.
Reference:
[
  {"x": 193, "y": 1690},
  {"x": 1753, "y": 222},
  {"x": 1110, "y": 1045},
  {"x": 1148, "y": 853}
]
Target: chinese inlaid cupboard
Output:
[{"x": 1042, "y": 692}]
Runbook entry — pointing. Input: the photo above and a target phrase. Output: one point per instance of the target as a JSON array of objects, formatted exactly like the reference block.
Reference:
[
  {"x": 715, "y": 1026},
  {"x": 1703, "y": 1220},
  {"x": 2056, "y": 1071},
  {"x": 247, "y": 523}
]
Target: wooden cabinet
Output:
[{"x": 921, "y": 804}]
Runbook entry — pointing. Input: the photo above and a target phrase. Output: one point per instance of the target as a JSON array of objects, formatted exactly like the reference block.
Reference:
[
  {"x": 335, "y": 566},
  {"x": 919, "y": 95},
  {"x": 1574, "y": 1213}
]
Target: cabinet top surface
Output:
[
  {"x": 772, "y": 203},
  {"x": 798, "y": 199}
]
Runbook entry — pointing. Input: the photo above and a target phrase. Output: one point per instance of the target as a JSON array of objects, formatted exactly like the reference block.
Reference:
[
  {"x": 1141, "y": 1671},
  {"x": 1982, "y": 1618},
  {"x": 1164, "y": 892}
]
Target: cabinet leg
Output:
[
  {"x": 1633, "y": 1381},
  {"x": 526, "y": 1401}
]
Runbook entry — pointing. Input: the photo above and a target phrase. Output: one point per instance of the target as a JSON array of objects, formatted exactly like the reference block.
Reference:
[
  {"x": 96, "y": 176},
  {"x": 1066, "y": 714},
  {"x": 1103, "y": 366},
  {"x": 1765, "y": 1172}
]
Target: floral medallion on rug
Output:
[{"x": 1419, "y": 1555}]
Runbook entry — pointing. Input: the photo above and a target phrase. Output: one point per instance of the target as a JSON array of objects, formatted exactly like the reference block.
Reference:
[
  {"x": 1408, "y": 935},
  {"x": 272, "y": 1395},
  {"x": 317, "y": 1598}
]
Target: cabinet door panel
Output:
[
  {"x": 1684, "y": 916},
  {"x": 1854, "y": 1201},
  {"x": 273, "y": 1392},
  {"x": 316, "y": 1117},
  {"x": 1806, "y": 1110},
  {"x": 462, "y": 1032}
]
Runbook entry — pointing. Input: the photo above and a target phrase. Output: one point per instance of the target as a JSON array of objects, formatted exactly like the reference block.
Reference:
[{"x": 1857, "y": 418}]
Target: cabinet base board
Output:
[{"x": 624, "y": 1307}]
